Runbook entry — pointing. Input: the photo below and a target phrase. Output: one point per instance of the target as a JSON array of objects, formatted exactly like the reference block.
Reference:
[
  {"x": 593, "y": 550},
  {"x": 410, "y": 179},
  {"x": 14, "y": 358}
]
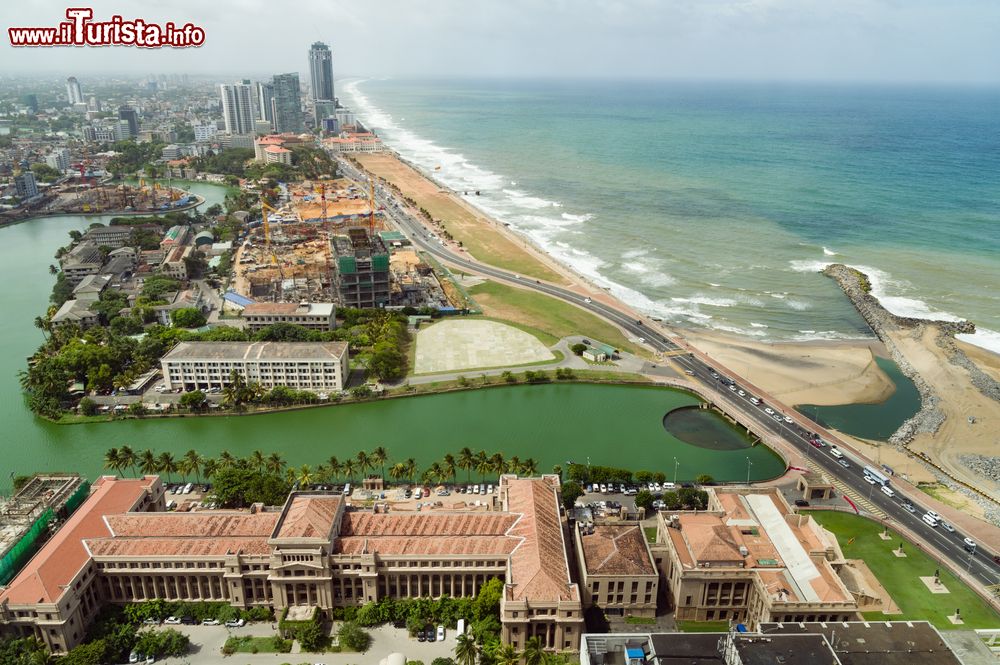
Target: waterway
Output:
[
  {"x": 612, "y": 425},
  {"x": 871, "y": 421}
]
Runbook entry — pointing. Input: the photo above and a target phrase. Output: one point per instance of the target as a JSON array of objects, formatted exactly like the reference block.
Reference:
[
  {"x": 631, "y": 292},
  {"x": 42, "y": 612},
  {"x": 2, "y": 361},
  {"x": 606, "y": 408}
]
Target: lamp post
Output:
[
  {"x": 749, "y": 464},
  {"x": 676, "y": 464}
]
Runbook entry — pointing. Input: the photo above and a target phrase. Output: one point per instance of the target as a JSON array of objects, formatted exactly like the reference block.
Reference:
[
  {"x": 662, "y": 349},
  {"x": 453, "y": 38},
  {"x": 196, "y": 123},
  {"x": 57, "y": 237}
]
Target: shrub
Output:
[
  {"x": 88, "y": 407},
  {"x": 578, "y": 348},
  {"x": 353, "y": 637}
]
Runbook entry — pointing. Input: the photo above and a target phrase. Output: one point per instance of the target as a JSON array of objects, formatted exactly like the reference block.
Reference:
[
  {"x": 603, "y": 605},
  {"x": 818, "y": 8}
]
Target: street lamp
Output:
[
  {"x": 749, "y": 464},
  {"x": 676, "y": 464}
]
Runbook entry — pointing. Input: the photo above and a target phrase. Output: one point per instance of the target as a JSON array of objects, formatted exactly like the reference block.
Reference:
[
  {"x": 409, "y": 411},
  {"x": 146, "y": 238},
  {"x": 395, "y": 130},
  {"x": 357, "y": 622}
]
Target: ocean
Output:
[{"x": 715, "y": 205}]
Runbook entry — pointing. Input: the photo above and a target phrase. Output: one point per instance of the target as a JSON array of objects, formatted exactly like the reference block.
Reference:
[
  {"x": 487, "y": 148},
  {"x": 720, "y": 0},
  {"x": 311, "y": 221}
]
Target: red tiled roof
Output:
[
  {"x": 430, "y": 546},
  {"x": 423, "y": 524},
  {"x": 616, "y": 550},
  {"x": 538, "y": 567},
  {"x": 61, "y": 558},
  {"x": 308, "y": 517},
  {"x": 192, "y": 525},
  {"x": 168, "y": 547}
]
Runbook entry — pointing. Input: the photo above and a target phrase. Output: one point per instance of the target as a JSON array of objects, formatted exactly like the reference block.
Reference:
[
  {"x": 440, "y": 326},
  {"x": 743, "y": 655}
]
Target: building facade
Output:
[
  {"x": 130, "y": 116},
  {"x": 315, "y": 316},
  {"x": 616, "y": 568},
  {"x": 237, "y": 107},
  {"x": 25, "y": 185},
  {"x": 264, "y": 94},
  {"x": 362, "y": 269},
  {"x": 287, "y": 103},
  {"x": 318, "y": 366},
  {"x": 750, "y": 558},
  {"x": 114, "y": 237},
  {"x": 316, "y": 551},
  {"x": 73, "y": 92},
  {"x": 321, "y": 71}
]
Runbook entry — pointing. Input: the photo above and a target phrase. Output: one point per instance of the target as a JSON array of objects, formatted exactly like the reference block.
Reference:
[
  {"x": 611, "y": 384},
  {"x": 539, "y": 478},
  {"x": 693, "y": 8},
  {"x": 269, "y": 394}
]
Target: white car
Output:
[
  {"x": 769, "y": 411},
  {"x": 741, "y": 393},
  {"x": 587, "y": 300},
  {"x": 173, "y": 621},
  {"x": 870, "y": 480},
  {"x": 755, "y": 400},
  {"x": 440, "y": 634},
  {"x": 210, "y": 622},
  {"x": 788, "y": 419},
  {"x": 235, "y": 623}
]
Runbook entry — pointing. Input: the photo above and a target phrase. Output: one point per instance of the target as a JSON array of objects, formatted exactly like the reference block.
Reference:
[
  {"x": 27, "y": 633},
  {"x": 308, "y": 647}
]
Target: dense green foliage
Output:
[
  {"x": 240, "y": 485},
  {"x": 570, "y": 492},
  {"x": 232, "y": 161},
  {"x": 133, "y": 156},
  {"x": 187, "y": 317},
  {"x": 162, "y": 643},
  {"x": 352, "y": 637},
  {"x": 45, "y": 173},
  {"x": 26, "y": 651}
]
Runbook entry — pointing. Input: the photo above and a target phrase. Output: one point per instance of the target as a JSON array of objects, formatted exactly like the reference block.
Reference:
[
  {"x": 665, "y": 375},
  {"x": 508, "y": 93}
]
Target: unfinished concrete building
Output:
[{"x": 362, "y": 269}]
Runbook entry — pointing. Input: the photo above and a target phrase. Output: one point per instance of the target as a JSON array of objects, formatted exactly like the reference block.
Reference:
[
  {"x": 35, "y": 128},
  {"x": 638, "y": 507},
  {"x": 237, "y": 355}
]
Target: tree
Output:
[
  {"x": 379, "y": 456},
  {"x": 88, "y": 407},
  {"x": 466, "y": 651},
  {"x": 533, "y": 654},
  {"x": 275, "y": 463},
  {"x": 448, "y": 467},
  {"x": 353, "y": 637},
  {"x": 166, "y": 464},
  {"x": 671, "y": 500},
  {"x": 487, "y": 602},
  {"x": 112, "y": 461},
  {"x": 364, "y": 463},
  {"x": 305, "y": 478},
  {"x": 570, "y": 492},
  {"x": 644, "y": 500},
  {"x": 704, "y": 479},
  {"x": 507, "y": 655},
  {"x": 398, "y": 471},
  {"x": 128, "y": 457},
  {"x": 194, "y": 461},
  {"x": 578, "y": 348},
  {"x": 467, "y": 461},
  {"x": 187, "y": 317},
  {"x": 240, "y": 485},
  {"x": 194, "y": 400},
  {"x": 529, "y": 467},
  {"x": 147, "y": 462},
  {"x": 312, "y": 637},
  {"x": 411, "y": 468},
  {"x": 348, "y": 466}
]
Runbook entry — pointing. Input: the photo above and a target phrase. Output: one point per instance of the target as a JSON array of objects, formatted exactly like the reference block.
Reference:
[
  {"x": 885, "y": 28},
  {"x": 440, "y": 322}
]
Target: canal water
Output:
[
  {"x": 871, "y": 421},
  {"x": 555, "y": 423}
]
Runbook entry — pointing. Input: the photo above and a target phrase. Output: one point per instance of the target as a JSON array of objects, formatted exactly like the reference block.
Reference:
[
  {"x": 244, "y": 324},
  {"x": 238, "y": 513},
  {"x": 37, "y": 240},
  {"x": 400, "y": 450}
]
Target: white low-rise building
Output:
[
  {"x": 315, "y": 315},
  {"x": 318, "y": 366}
]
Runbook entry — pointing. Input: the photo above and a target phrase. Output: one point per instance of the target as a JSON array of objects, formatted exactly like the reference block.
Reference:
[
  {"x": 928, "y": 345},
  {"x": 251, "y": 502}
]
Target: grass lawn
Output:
[
  {"x": 900, "y": 576},
  {"x": 249, "y": 644},
  {"x": 703, "y": 626},
  {"x": 640, "y": 620},
  {"x": 540, "y": 312},
  {"x": 650, "y": 533}
]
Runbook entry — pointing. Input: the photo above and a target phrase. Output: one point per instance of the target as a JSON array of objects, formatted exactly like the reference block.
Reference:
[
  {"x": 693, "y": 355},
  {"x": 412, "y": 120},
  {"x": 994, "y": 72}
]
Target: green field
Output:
[
  {"x": 901, "y": 576},
  {"x": 536, "y": 312},
  {"x": 249, "y": 644},
  {"x": 703, "y": 626}
]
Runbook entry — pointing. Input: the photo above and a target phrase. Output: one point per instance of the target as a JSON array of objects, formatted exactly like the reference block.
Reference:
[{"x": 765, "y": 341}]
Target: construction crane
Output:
[
  {"x": 371, "y": 207},
  {"x": 322, "y": 199}
]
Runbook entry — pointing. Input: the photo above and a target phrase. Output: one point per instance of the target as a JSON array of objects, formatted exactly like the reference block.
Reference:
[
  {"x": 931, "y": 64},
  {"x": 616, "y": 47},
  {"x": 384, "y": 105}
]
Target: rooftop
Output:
[
  {"x": 877, "y": 643},
  {"x": 209, "y": 524},
  {"x": 616, "y": 549},
  {"x": 257, "y": 351},
  {"x": 46, "y": 575},
  {"x": 308, "y": 516},
  {"x": 538, "y": 567},
  {"x": 325, "y": 309}
]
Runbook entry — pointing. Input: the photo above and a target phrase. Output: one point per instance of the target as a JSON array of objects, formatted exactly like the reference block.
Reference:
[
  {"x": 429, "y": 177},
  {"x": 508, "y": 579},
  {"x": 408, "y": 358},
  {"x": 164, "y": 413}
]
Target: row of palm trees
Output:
[
  {"x": 333, "y": 469},
  {"x": 467, "y": 652}
]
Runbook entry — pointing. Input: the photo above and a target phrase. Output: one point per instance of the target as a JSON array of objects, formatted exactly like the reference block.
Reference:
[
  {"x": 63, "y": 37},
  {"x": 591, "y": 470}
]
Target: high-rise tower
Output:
[
  {"x": 287, "y": 103},
  {"x": 237, "y": 107},
  {"x": 73, "y": 91},
  {"x": 321, "y": 71}
]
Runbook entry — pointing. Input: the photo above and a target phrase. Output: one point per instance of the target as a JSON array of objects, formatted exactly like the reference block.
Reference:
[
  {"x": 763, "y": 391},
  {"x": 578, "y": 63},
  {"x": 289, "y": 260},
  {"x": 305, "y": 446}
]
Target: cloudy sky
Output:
[{"x": 847, "y": 40}]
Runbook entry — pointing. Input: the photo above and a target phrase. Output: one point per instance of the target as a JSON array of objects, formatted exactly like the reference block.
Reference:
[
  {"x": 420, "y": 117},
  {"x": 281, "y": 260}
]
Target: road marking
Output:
[{"x": 845, "y": 489}]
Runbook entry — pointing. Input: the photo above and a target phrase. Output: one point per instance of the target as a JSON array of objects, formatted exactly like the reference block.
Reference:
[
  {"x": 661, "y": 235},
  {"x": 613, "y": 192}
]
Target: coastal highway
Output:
[{"x": 980, "y": 564}]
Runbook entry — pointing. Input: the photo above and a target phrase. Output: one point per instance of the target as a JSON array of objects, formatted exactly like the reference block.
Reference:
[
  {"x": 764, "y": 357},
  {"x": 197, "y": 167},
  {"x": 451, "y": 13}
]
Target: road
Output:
[{"x": 980, "y": 565}]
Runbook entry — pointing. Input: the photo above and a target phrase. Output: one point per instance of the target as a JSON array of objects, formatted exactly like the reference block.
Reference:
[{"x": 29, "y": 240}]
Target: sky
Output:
[{"x": 953, "y": 41}]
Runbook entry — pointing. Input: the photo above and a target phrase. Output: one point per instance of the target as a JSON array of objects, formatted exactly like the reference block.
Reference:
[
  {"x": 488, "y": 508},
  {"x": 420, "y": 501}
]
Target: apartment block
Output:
[
  {"x": 362, "y": 269},
  {"x": 617, "y": 570},
  {"x": 315, "y": 316},
  {"x": 319, "y": 366}
]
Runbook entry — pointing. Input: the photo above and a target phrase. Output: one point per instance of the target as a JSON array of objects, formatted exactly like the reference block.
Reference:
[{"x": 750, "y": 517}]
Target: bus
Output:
[{"x": 877, "y": 476}]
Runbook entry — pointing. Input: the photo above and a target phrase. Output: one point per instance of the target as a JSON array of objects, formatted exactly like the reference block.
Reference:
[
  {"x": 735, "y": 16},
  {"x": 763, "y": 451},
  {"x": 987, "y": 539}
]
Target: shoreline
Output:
[{"x": 124, "y": 213}]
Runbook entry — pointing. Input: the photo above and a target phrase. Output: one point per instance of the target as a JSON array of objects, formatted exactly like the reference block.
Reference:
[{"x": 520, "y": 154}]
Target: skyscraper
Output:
[
  {"x": 287, "y": 103},
  {"x": 131, "y": 116},
  {"x": 237, "y": 107},
  {"x": 265, "y": 101},
  {"x": 321, "y": 71},
  {"x": 73, "y": 91}
]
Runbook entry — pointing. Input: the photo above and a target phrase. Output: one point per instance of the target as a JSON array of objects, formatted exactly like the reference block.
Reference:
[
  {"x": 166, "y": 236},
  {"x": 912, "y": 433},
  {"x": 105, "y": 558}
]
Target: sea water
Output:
[{"x": 715, "y": 205}]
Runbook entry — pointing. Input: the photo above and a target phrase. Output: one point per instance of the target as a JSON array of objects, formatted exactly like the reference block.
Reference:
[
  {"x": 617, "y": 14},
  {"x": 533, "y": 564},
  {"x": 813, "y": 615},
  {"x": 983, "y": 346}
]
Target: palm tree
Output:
[
  {"x": 210, "y": 467},
  {"x": 379, "y": 456},
  {"x": 507, "y": 655},
  {"x": 557, "y": 469},
  {"x": 166, "y": 463},
  {"x": 128, "y": 458},
  {"x": 398, "y": 471},
  {"x": 466, "y": 651},
  {"x": 467, "y": 461},
  {"x": 533, "y": 652},
  {"x": 335, "y": 467},
  {"x": 323, "y": 473},
  {"x": 194, "y": 462},
  {"x": 148, "y": 463},
  {"x": 434, "y": 473},
  {"x": 529, "y": 467},
  {"x": 483, "y": 468},
  {"x": 411, "y": 468},
  {"x": 185, "y": 467},
  {"x": 290, "y": 476},
  {"x": 449, "y": 467},
  {"x": 257, "y": 459},
  {"x": 275, "y": 463},
  {"x": 112, "y": 459},
  {"x": 226, "y": 459},
  {"x": 349, "y": 466},
  {"x": 305, "y": 476},
  {"x": 364, "y": 462},
  {"x": 513, "y": 465},
  {"x": 497, "y": 462}
]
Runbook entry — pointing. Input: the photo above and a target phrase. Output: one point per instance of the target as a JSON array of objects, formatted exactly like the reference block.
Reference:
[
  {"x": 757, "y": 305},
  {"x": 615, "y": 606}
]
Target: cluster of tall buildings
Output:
[{"x": 247, "y": 106}]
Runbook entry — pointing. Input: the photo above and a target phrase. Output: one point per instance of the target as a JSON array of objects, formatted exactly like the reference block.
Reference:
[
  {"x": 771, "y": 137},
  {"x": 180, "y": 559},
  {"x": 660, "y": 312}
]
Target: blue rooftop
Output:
[{"x": 237, "y": 299}]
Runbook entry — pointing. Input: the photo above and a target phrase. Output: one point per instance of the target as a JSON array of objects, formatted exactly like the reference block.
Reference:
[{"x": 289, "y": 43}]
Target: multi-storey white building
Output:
[
  {"x": 205, "y": 132},
  {"x": 319, "y": 366},
  {"x": 315, "y": 315},
  {"x": 237, "y": 107}
]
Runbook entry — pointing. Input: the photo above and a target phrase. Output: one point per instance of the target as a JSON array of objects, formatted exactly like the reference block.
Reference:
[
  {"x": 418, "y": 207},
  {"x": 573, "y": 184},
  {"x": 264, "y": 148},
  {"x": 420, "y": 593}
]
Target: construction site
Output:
[
  {"x": 82, "y": 196},
  {"x": 28, "y": 516},
  {"x": 329, "y": 242}
]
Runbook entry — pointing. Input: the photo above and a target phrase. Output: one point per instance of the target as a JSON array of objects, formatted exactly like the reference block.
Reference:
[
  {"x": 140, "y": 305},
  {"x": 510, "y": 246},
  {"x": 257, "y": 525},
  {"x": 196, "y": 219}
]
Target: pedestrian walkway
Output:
[{"x": 862, "y": 502}]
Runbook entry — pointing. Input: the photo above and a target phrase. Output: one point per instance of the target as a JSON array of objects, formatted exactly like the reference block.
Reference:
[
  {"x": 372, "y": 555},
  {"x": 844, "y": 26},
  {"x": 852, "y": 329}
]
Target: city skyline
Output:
[{"x": 857, "y": 40}]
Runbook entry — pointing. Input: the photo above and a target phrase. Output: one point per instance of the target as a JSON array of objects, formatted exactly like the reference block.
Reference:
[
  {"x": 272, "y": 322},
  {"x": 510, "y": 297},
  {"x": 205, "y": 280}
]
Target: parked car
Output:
[
  {"x": 172, "y": 621},
  {"x": 133, "y": 657},
  {"x": 210, "y": 622},
  {"x": 188, "y": 621},
  {"x": 440, "y": 633},
  {"x": 908, "y": 507},
  {"x": 801, "y": 503},
  {"x": 235, "y": 623}
]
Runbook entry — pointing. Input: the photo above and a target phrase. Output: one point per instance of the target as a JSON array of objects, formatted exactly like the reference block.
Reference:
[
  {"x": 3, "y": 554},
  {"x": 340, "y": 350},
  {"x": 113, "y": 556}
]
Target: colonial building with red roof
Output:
[{"x": 315, "y": 551}]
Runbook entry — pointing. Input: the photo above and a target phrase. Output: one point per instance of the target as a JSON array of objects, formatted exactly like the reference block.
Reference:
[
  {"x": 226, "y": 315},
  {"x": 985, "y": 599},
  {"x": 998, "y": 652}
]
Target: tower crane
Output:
[{"x": 264, "y": 207}]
